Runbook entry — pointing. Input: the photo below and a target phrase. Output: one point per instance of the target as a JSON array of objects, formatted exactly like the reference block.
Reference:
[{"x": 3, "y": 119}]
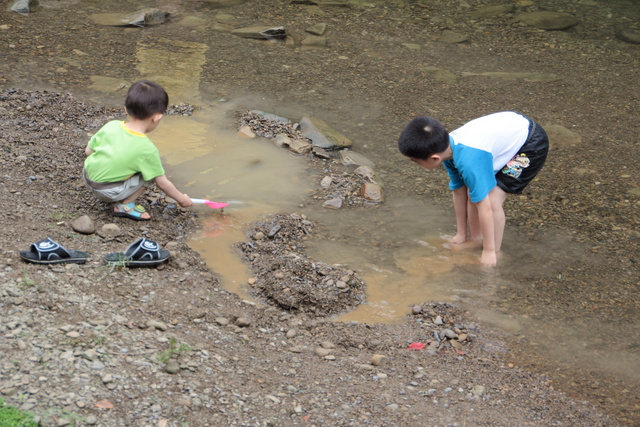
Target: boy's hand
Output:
[
  {"x": 489, "y": 258},
  {"x": 185, "y": 201}
]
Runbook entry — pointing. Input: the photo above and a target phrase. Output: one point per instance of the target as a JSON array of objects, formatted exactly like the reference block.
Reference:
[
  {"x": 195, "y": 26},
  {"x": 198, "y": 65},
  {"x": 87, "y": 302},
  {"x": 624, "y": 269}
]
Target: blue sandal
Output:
[
  {"x": 132, "y": 211},
  {"x": 141, "y": 253}
]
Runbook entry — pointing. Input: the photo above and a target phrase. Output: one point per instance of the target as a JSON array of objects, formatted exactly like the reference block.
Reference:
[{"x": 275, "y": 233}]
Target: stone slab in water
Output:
[
  {"x": 322, "y": 135},
  {"x": 548, "y": 20}
]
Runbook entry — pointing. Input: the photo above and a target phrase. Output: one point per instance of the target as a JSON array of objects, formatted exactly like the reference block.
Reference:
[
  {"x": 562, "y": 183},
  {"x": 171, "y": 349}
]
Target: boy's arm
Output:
[
  {"x": 460, "y": 207},
  {"x": 487, "y": 226},
  {"x": 170, "y": 190},
  {"x": 88, "y": 151}
]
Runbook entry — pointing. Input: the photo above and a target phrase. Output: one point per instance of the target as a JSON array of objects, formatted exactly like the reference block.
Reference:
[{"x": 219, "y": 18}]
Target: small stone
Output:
[
  {"x": 156, "y": 325},
  {"x": 243, "y": 322},
  {"x": 326, "y": 182},
  {"x": 322, "y": 352},
  {"x": 438, "y": 321},
  {"x": 416, "y": 309},
  {"x": 172, "y": 367},
  {"x": 110, "y": 230},
  {"x": 246, "y": 132},
  {"x": 291, "y": 333},
  {"x": 378, "y": 359},
  {"x": 84, "y": 225},
  {"x": 333, "y": 203},
  {"x": 222, "y": 321},
  {"x": 372, "y": 192}
]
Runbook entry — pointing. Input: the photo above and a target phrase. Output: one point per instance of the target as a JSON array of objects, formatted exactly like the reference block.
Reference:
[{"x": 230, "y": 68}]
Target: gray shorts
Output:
[{"x": 116, "y": 191}]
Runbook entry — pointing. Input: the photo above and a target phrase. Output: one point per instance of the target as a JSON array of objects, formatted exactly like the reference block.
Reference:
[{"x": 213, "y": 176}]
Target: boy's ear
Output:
[{"x": 156, "y": 117}]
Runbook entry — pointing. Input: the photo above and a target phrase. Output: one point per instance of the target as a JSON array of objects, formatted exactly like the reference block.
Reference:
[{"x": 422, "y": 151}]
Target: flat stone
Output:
[
  {"x": 548, "y": 20},
  {"x": 372, "y": 192},
  {"x": 352, "y": 158},
  {"x": 628, "y": 36},
  {"x": 561, "y": 137},
  {"x": 322, "y": 135},
  {"x": 317, "y": 29},
  {"x": 300, "y": 147},
  {"x": 314, "y": 42},
  {"x": 335, "y": 203},
  {"x": 491, "y": 11},
  {"x": 452, "y": 37}
]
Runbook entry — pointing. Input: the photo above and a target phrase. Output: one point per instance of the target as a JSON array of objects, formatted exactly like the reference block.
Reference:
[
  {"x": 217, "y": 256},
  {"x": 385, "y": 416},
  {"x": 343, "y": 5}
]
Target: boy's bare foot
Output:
[{"x": 469, "y": 244}]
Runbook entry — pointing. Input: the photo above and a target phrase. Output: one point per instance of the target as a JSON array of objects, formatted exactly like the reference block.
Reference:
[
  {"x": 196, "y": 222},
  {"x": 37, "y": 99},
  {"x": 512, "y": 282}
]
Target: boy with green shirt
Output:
[{"x": 122, "y": 161}]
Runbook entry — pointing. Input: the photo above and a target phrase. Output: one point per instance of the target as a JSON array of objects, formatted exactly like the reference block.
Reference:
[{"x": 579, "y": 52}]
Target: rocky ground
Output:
[
  {"x": 97, "y": 345},
  {"x": 167, "y": 346}
]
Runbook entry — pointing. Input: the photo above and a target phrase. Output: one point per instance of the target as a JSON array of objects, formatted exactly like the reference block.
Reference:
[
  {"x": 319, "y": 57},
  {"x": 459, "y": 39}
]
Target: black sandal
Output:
[
  {"x": 48, "y": 251},
  {"x": 141, "y": 253}
]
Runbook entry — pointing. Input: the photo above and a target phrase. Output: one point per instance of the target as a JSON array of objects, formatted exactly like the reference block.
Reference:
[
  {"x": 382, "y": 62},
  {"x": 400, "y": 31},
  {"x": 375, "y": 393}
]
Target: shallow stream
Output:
[{"x": 398, "y": 247}]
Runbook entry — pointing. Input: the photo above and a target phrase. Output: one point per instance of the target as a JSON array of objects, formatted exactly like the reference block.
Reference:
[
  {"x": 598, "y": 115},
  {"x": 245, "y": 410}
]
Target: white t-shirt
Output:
[{"x": 481, "y": 148}]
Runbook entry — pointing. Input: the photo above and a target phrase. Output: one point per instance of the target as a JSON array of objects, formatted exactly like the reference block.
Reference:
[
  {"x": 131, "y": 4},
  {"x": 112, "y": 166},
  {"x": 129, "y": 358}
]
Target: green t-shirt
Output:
[{"x": 119, "y": 153}]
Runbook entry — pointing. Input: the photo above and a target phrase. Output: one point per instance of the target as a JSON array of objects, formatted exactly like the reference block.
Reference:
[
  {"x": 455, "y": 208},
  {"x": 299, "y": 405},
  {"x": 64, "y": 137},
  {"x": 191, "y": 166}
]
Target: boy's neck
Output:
[
  {"x": 137, "y": 125},
  {"x": 446, "y": 154}
]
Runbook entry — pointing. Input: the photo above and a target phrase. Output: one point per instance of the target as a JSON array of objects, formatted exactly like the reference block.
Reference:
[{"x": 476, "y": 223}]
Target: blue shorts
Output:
[{"x": 525, "y": 165}]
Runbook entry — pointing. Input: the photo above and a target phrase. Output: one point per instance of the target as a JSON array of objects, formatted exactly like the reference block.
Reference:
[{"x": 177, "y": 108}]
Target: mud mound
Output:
[{"x": 286, "y": 277}]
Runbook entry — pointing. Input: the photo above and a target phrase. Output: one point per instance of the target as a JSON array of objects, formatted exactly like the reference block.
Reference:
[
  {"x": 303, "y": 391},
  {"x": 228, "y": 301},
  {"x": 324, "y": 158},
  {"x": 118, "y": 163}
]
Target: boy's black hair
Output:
[
  {"x": 145, "y": 98},
  {"x": 423, "y": 137}
]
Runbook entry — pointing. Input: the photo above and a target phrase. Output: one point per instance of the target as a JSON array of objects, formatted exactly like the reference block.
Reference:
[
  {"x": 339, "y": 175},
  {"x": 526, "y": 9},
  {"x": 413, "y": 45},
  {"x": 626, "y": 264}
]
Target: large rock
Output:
[
  {"x": 260, "y": 32},
  {"x": 548, "y": 20},
  {"x": 322, "y": 135}
]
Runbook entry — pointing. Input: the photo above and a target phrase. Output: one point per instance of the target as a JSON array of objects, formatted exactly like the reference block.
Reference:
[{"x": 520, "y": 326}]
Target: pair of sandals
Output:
[{"x": 141, "y": 253}]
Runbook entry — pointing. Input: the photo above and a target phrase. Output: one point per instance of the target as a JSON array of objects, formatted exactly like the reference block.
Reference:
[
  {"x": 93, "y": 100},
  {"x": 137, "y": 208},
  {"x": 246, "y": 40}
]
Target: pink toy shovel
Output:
[{"x": 212, "y": 205}]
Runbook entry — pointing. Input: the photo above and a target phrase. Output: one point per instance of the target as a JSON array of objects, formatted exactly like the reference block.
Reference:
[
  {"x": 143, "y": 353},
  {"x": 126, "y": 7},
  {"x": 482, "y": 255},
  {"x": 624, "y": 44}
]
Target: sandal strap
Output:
[
  {"x": 143, "y": 250},
  {"x": 48, "y": 249}
]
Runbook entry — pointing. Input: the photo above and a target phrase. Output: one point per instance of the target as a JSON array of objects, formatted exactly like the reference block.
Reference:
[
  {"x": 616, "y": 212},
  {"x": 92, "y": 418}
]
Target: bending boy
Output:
[
  {"x": 486, "y": 159},
  {"x": 122, "y": 161}
]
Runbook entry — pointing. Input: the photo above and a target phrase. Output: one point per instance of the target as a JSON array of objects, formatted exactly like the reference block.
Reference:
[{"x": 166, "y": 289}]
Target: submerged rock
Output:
[
  {"x": 491, "y": 11},
  {"x": 628, "y": 36},
  {"x": 548, "y": 20}
]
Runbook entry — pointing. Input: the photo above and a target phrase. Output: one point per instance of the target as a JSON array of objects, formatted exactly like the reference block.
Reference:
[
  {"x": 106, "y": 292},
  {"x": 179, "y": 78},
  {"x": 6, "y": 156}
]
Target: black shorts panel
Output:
[{"x": 525, "y": 165}]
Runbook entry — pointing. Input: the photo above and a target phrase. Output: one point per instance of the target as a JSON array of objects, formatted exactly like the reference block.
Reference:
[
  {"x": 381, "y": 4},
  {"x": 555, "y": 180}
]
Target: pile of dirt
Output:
[{"x": 288, "y": 278}]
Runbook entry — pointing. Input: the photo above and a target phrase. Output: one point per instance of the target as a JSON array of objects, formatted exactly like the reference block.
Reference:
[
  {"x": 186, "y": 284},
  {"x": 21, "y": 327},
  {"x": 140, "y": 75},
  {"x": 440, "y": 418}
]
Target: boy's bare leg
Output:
[
  {"x": 475, "y": 233},
  {"x": 134, "y": 196},
  {"x": 497, "y": 196}
]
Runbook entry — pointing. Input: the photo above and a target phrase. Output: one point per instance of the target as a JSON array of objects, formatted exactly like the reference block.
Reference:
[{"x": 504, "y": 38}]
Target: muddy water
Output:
[{"x": 209, "y": 160}]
